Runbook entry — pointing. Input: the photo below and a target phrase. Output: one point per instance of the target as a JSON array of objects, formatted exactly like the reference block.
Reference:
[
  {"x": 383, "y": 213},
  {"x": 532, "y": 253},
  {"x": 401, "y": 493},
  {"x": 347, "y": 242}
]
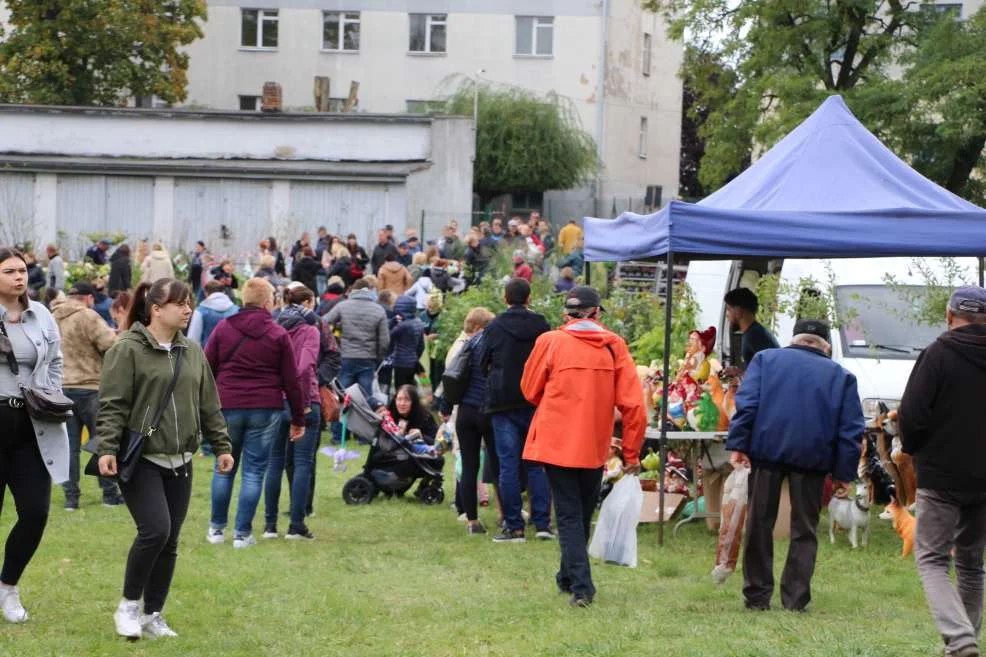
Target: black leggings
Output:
[
  {"x": 158, "y": 501},
  {"x": 403, "y": 376},
  {"x": 472, "y": 427},
  {"x": 23, "y": 471}
]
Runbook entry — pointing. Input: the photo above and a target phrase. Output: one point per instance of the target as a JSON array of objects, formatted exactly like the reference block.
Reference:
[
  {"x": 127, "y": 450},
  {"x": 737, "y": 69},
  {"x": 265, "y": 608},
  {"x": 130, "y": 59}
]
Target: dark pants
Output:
[
  {"x": 289, "y": 471},
  {"x": 404, "y": 376},
  {"x": 472, "y": 427},
  {"x": 758, "y": 557},
  {"x": 511, "y": 429},
  {"x": 355, "y": 370},
  {"x": 575, "y": 492},
  {"x": 158, "y": 501},
  {"x": 23, "y": 471},
  {"x": 83, "y": 415},
  {"x": 301, "y": 454}
]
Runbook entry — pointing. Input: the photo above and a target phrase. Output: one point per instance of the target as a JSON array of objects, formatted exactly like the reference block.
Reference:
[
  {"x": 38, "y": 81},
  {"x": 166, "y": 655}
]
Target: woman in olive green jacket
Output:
[{"x": 136, "y": 374}]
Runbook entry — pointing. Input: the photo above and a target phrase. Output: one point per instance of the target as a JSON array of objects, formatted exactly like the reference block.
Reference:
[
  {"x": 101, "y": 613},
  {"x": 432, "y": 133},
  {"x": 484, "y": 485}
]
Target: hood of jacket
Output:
[
  {"x": 252, "y": 321},
  {"x": 969, "y": 342},
  {"x": 160, "y": 256},
  {"x": 521, "y": 323},
  {"x": 218, "y": 301},
  {"x": 66, "y": 307},
  {"x": 119, "y": 255},
  {"x": 294, "y": 315},
  {"x": 406, "y": 306},
  {"x": 392, "y": 267},
  {"x": 590, "y": 332},
  {"x": 365, "y": 294}
]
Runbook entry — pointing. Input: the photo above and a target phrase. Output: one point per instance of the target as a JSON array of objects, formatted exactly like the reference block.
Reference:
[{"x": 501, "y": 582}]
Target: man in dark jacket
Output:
[
  {"x": 253, "y": 360},
  {"x": 508, "y": 342},
  {"x": 121, "y": 271},
  {"x": 798, "y": 416},
  {"x": 383, "y": 248},
  {"x": 97, "y": 252},
  {"x": 943, "y": 424},
  {"x": 407, "y": 341}
]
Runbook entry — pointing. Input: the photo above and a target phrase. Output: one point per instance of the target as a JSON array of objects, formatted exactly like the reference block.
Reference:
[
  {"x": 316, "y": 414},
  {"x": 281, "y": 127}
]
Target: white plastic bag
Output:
[
  {"x": 615, "y": 539},
  {"x": 735, "y": 494}
]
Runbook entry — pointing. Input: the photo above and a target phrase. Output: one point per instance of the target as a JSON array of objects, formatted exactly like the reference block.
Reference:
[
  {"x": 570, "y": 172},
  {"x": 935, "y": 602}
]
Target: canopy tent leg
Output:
[
  {"x": 665, "y": 376},
  {"x": 982, "y": 265}
]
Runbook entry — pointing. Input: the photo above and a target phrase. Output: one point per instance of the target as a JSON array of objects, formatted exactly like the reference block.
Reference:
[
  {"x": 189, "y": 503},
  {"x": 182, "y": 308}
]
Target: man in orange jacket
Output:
[{"x": 576, "y": 376}]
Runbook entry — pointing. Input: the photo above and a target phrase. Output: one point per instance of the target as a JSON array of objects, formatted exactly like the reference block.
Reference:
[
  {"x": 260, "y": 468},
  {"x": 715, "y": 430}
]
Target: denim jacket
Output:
[{"x": 52, "y": 437}]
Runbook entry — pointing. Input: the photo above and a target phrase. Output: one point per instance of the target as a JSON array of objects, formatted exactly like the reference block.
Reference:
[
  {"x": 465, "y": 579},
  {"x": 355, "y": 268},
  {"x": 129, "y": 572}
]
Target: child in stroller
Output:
[{"x": 396, "y": 459}]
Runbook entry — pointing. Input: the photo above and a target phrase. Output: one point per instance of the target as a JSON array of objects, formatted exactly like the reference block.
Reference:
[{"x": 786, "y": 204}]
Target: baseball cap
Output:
[
  {"x": 403, "y": 245},
  {"x": 815, "y": 327},
  {"x": 105, "y": 241},
  {"x": 82, "y": 289},
  {"x": 968, "y": 299},
  {"x": 583, "y": 296}
]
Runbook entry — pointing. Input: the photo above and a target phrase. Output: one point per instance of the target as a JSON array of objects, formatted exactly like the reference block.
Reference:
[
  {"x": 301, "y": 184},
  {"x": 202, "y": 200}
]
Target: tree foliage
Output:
[
  {"x": 788, "y": 55},
  {"x": 97, "y": 52},
  {"x": 525, "y": 142}
]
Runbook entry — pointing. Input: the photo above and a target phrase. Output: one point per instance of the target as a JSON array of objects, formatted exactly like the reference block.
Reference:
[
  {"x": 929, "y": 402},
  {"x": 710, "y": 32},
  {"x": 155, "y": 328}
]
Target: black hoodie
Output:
[
  {"x": 506, "y": 344},
  {"x": 943, "y": 412}
]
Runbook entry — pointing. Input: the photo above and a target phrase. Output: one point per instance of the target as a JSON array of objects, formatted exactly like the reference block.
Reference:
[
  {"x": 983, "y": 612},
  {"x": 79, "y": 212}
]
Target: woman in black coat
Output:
[
  {"x": 306, "y": 269},
  {"x": 120, "y": 270}
]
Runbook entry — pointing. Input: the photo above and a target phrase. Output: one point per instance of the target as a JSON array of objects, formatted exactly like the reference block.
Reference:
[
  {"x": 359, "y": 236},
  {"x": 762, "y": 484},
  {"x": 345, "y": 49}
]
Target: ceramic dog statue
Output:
[{"x": 853, "y": 515}]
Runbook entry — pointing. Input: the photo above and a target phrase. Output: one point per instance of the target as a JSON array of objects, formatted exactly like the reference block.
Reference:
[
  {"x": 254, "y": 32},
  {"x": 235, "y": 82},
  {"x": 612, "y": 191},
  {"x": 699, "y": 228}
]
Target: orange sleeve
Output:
[
  {"x": 536, "y": 370},
  {"x": 630, "y": 400}
]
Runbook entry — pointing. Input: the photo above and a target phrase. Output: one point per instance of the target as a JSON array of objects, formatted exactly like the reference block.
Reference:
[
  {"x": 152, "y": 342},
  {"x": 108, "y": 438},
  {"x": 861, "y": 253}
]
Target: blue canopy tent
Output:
[{"x": 829, "y": 189}]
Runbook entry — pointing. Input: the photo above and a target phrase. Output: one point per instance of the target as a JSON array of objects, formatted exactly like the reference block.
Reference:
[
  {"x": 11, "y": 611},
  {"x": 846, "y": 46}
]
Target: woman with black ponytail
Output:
[{"x": 157, "y": 383}]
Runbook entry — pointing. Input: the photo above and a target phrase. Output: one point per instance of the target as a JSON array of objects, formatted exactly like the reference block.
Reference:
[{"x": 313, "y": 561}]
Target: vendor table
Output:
[{"x": 701, "y": 437}]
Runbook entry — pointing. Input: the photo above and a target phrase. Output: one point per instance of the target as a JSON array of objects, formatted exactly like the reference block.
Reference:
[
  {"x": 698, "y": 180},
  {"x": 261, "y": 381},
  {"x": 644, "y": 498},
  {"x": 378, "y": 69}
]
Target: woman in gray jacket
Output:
[{"x": 32, "y": 453}]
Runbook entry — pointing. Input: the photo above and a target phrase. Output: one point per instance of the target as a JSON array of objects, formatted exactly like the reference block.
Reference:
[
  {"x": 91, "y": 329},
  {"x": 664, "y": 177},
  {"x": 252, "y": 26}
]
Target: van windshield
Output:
[{"x": 881, "y": 322}]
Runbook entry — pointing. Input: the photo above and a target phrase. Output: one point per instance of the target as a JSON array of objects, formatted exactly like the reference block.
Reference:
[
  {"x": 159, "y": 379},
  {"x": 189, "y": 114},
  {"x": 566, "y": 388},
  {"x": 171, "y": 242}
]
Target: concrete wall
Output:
[{"x": 443, "y": 191}]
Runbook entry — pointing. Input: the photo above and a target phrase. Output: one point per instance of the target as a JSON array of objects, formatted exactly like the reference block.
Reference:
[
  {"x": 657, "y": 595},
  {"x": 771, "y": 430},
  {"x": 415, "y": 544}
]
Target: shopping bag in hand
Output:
[
  {"x": 615, "y": 539},
  {"x": 734, "y": 500}
]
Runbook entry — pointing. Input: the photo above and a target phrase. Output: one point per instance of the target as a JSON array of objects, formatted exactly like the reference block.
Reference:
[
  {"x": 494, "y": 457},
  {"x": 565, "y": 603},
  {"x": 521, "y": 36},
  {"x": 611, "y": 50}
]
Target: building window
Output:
[
  {"x": 535, "y": 36},
  {"x": 425, "y": 106},
  {"x": 953, "y": 8},
  {"x": 648, "y": 48},
  {"x": 249, "y": 103},
  {"x": 428, "y": 32},
  {"x": 643, "y": 137},
  {"x": 340, "y": 31},
  {"x": 258, "y": 28}
]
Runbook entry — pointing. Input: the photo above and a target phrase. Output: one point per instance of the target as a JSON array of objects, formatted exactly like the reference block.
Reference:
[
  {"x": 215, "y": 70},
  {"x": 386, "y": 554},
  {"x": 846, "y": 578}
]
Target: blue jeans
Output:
[
  {"x": 355, "y": 370},
  {"x": 252, "y": 432},
  {"x": 302, "y": 454},
  {"x": 83, "y": 415},
  {"x": 510, "y": 431}
]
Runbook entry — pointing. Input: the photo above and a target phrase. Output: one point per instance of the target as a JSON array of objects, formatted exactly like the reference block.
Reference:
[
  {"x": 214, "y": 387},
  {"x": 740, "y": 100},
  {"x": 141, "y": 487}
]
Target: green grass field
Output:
[{"x": 399, "y": 578}]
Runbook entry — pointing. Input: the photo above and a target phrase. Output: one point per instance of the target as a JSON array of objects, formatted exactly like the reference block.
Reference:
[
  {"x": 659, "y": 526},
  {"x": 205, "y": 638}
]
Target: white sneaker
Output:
[
  {"x": 216, "y": 536},
  {"x": 154, "y": 626},
  {"x": 127, "y": 619},
  {"x": 463, "y": 518},
  {"x": 244, "y": 541},
  {"x": 10, "y": 603}
]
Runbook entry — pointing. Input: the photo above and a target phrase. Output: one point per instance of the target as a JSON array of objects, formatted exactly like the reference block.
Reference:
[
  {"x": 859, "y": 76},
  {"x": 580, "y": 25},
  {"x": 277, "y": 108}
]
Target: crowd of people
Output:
[{"x": 242, "y": 369}]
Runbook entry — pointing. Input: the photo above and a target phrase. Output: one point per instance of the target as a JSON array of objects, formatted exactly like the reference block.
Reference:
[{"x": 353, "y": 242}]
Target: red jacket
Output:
[{"x": 576, "y": 376}]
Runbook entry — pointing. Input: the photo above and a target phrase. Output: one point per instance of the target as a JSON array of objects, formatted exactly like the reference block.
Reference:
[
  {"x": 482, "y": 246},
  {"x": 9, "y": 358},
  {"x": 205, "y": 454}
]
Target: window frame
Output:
[
  {"x": 429, "y": 24},
  {"x": 343, "y": 22},
  {"x": 643, "y": 138},
  {"x": 256, "y": 102},
  {"x": 536, "y": 27},
  {"x": 263, "y": 16},
  {"x": 648, "y": 53}
]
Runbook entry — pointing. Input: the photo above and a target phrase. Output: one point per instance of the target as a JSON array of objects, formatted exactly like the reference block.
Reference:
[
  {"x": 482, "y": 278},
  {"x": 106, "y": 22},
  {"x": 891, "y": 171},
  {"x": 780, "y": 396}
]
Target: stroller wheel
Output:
[
  {"x": 359, "y": 490},
  {"x": 432, "y": 495}
]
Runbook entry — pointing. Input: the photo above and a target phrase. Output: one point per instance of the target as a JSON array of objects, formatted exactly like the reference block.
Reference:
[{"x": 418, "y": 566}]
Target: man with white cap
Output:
[{"x": 943, "y": 425}]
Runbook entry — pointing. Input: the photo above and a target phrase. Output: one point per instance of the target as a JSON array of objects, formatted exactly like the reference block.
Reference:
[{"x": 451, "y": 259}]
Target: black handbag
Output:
[
  {"x": 43, "y": 405},
  {"x": 132, "y": 442}
]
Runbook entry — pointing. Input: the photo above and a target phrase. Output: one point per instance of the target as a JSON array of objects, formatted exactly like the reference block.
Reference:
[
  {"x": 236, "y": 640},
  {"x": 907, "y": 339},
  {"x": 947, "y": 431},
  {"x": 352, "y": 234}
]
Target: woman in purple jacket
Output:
[
  {"x": 253, "y": 361},
  {"x": 301, "y": 323}
]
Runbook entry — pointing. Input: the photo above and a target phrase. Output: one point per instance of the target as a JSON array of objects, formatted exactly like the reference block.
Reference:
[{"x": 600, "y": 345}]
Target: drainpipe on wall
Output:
[{"x": 601, "y": 100}]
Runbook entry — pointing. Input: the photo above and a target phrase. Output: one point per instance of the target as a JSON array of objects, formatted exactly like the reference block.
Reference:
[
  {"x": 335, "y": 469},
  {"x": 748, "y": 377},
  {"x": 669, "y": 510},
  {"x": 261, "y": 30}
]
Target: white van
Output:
[{"x": 881, "y": 341}]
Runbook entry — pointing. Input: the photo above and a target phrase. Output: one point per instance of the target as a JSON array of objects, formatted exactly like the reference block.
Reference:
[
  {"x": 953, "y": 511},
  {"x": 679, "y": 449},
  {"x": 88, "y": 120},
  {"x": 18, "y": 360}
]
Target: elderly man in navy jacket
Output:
[{"x": 798, "y": 416}]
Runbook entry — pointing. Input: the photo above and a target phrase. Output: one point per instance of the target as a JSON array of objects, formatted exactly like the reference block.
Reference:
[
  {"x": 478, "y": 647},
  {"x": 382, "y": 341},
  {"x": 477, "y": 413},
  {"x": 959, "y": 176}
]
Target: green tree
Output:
[
  {"x": 97, "y": 52},
  {"x": 525, "y": 142},
  {"x": 788, "y": 55}
]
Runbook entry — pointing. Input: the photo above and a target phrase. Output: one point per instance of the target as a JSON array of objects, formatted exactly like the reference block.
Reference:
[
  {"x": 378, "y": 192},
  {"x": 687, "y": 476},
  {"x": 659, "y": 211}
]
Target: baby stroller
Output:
[{"x": 392, "y": 466}]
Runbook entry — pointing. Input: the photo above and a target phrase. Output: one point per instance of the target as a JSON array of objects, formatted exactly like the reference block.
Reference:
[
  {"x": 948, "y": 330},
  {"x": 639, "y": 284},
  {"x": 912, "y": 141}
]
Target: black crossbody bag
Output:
[
  {"x": 132, "y": 441},
  {"x": 42, "y": 405}
]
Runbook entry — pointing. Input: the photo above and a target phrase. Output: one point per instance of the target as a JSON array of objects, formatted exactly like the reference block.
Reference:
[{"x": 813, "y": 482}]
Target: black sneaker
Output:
[
  {"x": 580, "y": 601},
  {"x": 71, "y": 505},
  {"x": 299, "y": 533},
  {"x": 113, "y": 501},
  {"x": 510, "y": 536},
  {"x": 756, "y": 607},
  {"x": 478, "y": 528},
  {"x": 270, "y": 530},
  {"x": 545, "y": 534}
]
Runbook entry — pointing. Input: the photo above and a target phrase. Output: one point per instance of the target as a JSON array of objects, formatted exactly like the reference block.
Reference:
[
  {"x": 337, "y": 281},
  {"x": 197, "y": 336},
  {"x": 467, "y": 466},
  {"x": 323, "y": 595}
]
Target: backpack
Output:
[
  {"x": 455, "y": 380},
  {"x": 441, "y": 279}
]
